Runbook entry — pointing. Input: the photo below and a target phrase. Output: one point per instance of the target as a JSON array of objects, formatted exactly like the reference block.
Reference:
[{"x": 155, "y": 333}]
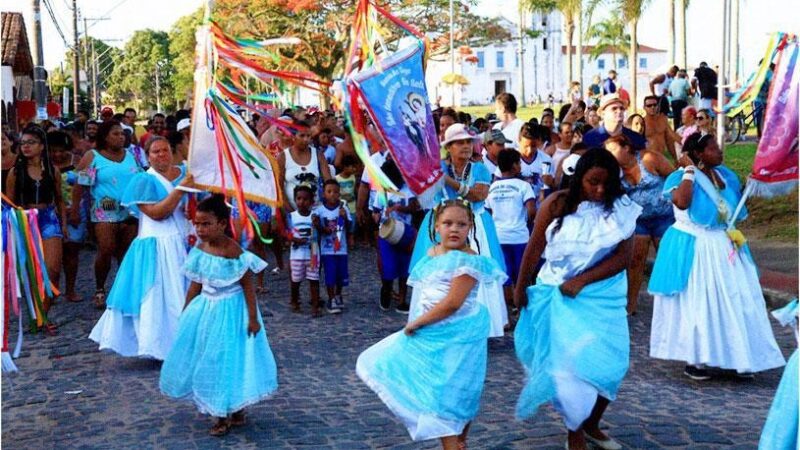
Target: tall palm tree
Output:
[
  {"x": 608, "y": 34},
  {"x": 671, "y": 20},
  {"x": 570, "y": 9},
  {"x": 680, "y": 59},
  {"x": 632, "y": 11}
]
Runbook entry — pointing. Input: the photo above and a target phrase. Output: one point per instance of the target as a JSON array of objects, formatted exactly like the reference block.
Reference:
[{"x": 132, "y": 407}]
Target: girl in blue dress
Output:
[
  {"x": 431, "y": 374},
  {"x": 780, "y": 432},
  {"x": 708, "y": 310},
  {"x": 469, "y": 180},
  {"x": 221, "y": 359},
  {"x": 572, "y": 335}
]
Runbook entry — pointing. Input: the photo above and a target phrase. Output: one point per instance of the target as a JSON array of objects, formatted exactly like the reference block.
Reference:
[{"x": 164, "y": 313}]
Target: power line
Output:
[{"x": 55, "y": 23}]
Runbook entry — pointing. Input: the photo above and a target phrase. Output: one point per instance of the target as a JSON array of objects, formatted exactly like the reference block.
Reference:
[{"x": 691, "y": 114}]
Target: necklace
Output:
[{"x": 464, "y": 172}]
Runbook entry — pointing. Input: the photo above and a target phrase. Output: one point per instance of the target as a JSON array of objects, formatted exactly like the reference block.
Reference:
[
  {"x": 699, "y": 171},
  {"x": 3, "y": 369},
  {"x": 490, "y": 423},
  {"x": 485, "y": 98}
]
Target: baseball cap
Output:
[
  {"x": 183, "y": 124},
  {"x": 495, "y": 136}
]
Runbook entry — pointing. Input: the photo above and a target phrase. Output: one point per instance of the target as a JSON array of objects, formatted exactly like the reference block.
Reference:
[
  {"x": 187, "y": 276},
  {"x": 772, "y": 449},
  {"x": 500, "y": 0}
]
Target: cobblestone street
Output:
[{"x": 69, "y": 395}]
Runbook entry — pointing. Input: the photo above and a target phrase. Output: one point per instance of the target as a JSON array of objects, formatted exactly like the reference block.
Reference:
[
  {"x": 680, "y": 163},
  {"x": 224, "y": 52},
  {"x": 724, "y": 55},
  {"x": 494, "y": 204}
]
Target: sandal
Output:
[
  {"x": 221, "y": 428},
  {"x": 99, "y": 299},
  {"x": 238, "y": 419}
]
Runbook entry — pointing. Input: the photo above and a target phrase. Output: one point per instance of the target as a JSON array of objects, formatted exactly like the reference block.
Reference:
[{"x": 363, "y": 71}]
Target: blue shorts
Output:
[
  {"x": 654, "y": 227},
  {"x": 49, "y": 223},
  {"x": 513, "y": 256},
  {"x": 394, "y": 260},
  {"x": 335, "y": 267},
  {"x": 79, "y": 233}
]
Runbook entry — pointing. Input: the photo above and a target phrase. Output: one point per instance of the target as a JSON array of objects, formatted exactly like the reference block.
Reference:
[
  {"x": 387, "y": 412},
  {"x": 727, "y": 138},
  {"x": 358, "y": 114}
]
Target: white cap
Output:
[{"x": 183, "y": 124}]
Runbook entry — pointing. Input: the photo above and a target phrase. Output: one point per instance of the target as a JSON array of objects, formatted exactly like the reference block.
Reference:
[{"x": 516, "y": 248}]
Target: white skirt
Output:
[
  {"x": 151, "y": 333},
  {"x": 720, "y": 318}
]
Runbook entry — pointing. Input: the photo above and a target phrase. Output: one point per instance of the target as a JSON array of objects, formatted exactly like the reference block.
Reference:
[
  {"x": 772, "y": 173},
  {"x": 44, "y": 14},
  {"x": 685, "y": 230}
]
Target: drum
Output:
[{"x": 398, "y": 233}]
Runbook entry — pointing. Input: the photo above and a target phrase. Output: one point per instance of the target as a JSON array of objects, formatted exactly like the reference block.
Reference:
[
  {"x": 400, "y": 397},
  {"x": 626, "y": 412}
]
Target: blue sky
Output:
[{"x": 758, "y": 19}]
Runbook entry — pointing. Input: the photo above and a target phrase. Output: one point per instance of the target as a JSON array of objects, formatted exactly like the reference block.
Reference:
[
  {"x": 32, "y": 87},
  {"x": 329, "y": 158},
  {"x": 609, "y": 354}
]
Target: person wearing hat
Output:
[
  {"x": 469, "y": 181},
  {"x": 493, "y": 142},
  {"x": 184, "y": 126},
  {"x": 612, "y": 112}
]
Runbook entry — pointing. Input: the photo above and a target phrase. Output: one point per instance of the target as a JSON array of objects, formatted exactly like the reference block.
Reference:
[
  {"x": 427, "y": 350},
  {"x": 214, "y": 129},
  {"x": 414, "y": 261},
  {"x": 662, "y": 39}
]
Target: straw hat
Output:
[{"x": 457, "y": 132}]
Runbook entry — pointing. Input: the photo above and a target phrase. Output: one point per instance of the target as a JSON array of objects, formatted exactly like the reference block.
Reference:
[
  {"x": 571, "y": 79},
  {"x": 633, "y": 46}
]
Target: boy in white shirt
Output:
[
  {"x": 513, "y": 206},
  {"x": 333, "y": 222}
]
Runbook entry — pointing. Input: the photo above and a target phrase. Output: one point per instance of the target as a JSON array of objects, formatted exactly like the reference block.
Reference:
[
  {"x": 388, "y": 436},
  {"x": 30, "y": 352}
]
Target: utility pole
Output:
[
  {"x": 734, "y": 79},
  {"x": 452, "y": 55},
  {"x": 38, "y": 63},
  {"x": 76, "y": 70},
  {"x": 86, "y": 66},
  {"x": 95, "y": 96},
  {"x": 158, "y": 89},
  {"x": 721, "y": 76},
  {"x": 521, "y": 54}
]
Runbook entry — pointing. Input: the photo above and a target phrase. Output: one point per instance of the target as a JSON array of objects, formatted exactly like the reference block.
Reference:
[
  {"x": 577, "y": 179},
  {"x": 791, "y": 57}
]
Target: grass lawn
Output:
[
  {"x": 524, "y": 113},
  {"x": 773, "y": 219}
]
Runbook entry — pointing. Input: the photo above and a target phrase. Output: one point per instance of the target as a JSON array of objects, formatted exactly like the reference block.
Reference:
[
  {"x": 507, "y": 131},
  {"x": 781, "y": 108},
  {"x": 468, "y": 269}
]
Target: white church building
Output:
[{"x": 495, "y": 68}]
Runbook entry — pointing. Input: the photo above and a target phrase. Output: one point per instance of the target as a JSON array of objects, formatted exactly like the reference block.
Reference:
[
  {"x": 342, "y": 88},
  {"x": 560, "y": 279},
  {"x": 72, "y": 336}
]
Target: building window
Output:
[
  {"x": 500, "y": 61},
  {"x": 481, "y": 61},
  {"x": 621, "y": 63},
  {"x": 601, "y": 64},
  {"x": 544, "y": 43},
  {"x": 643, "y": 63}
]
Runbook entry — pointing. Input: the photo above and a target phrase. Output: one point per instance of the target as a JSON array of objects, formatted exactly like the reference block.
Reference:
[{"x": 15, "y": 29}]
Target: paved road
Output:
[{"x": 322, "y": 404}]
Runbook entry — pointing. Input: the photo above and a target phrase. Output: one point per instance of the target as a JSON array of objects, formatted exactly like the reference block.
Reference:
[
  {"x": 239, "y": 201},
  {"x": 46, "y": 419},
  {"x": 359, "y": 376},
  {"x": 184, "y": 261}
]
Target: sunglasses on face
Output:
[
  {"x": 702, "y": 117},
  {"x": 651, "y": 105}
]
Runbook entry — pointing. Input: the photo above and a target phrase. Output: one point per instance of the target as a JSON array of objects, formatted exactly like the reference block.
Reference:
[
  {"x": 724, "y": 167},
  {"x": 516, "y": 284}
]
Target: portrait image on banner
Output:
[{"x": 396, "y": 98}]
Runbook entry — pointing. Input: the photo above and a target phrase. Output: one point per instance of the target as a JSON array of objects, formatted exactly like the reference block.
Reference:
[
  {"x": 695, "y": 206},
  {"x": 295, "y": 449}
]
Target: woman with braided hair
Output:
[
  {"x": 470, "y": 181},
  {"x": 431, "y": 373}
]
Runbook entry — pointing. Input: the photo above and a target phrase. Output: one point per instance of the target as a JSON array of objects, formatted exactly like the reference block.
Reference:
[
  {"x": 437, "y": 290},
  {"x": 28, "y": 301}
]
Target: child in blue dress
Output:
[
  {"x": 431, "y": 374},
  {"x": 221, "y": 359}
]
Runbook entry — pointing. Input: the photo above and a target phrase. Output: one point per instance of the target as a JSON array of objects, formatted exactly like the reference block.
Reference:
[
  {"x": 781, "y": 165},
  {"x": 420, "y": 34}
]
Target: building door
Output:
[{"x": 499, "y": 87}]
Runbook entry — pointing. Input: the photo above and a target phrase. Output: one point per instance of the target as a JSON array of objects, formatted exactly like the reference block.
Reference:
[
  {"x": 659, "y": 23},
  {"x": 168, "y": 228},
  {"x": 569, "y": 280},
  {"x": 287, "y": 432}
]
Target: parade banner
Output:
[
  {"x": 776, "y": 162},
  {"x": 396, "y": 98}
]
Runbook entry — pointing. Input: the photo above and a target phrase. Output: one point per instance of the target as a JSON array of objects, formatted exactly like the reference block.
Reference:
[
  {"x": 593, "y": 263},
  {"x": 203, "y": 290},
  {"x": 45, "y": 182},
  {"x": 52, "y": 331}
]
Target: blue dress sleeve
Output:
[
  {"x": 481, "y": 174},
  {"x": 143, "y": 189},
  {"x": 455, "y": 263},
  {"x": 672, "y": 182}
]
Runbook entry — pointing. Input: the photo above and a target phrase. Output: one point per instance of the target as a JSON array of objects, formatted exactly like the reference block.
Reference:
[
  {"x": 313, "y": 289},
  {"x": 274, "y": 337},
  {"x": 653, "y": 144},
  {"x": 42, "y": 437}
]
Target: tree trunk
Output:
[
  {"x": 681, "y": 33},
  {"x": 632, "y": 62},
  {"x": 580, "y": 47},
  {"x": 671, "y": 19},
  {"x": 570, "y": 26},
  {"x": 614, "y": 55},
  {"x": 734, "y": 61}
]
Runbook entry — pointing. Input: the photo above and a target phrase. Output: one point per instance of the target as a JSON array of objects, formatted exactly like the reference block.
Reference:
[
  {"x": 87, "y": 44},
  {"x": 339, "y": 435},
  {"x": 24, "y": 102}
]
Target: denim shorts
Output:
[
  {"x": 49, "y": 223},
  {"x": 654, "y": 227}
]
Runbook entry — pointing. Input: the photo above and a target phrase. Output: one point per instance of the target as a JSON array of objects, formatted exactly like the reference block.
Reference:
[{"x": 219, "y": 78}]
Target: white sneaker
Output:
[{"x": 608, "y": 444}]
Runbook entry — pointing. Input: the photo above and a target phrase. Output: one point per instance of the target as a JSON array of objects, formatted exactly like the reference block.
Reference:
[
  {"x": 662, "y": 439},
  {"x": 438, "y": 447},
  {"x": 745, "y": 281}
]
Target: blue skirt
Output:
[
  {"x": 135, "y": 277},
  {"x": 214, "y": 363},
  {"x": 780, "y": 431},
  {"x": 432, "y": 381},
  {"x": 573, "y": 349}
]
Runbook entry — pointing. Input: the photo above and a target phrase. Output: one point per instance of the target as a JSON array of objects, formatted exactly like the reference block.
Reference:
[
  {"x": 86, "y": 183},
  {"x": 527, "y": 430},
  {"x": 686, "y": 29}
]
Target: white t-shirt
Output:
[
  {"x": 507, "y": 199},
  {"x": 378, "y": 159},
  {"x": 403, "y": 198},
  {"x": 532, "y": 172},
  {"x": 492, "y": 167},
  {"x": 330, "y": 217},
  {"x": 511, "y": 131},
  {"x": 302, "y": 227}
]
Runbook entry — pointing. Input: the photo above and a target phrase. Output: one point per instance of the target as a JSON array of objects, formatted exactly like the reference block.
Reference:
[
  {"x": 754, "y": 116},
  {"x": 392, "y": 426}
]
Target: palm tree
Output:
[
  {"x": 570, "y": 9},
  {"x": 631, "y": 13},
  {"x": 671, "y": 20},
  {"x": 608, "y": 35},
  {"x": 681, "y": 32}
]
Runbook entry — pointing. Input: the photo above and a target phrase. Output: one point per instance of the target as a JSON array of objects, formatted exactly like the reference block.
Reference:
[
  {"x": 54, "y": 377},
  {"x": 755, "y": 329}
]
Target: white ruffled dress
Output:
[{"x": 145, "y": 301}]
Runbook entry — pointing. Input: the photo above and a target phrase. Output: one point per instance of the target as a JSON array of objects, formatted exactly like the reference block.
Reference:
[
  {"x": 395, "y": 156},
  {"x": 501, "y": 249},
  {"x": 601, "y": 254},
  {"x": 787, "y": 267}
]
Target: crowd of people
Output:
[{"x": 541, "y": 229}]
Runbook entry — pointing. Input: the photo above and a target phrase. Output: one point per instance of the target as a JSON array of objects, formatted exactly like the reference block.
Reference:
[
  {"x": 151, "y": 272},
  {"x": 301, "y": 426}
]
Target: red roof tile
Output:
[{"x": 15, "y": 49}]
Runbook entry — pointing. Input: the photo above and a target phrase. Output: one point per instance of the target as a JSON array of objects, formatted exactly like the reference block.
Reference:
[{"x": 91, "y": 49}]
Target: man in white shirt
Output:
[
  {"x": 535, "y": 163},
  {"x": 493, "y": 142},
  {"x": 506, "y": 109}
]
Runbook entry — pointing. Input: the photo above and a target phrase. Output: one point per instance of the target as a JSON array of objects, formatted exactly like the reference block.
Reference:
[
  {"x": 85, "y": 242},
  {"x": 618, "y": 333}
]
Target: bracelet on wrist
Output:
[{"x": 688, "y": 176}]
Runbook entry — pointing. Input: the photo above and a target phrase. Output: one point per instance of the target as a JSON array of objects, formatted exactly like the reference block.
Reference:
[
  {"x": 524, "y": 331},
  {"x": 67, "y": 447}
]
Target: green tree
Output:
[
  {"x": 144, "y": 65},
  {"x": 632, "y": 11},
  {"x": 181, "y": 49},
  {"x": 608, "y": 35}
]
